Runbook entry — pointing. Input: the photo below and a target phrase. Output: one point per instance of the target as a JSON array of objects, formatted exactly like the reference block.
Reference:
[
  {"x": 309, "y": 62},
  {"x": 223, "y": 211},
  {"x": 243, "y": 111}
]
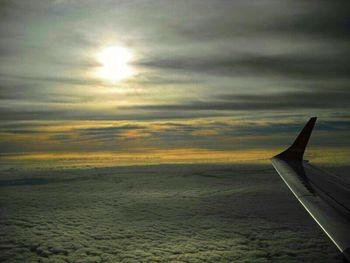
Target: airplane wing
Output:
[{"x": 325, "y": 197}]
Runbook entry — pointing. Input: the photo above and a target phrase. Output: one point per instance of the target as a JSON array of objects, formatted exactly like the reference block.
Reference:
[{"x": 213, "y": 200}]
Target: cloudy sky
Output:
[{"x": 198, "y": 75}]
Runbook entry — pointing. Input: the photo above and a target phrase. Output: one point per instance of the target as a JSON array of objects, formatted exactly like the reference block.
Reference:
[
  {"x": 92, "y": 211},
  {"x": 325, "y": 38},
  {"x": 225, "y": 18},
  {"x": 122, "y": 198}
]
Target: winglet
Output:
[{"x": 296, "y": 151}]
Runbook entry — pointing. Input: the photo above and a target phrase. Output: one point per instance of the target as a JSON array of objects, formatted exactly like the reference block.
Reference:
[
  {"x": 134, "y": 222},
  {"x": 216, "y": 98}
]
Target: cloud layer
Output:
[{"x": 156, "y": 214}]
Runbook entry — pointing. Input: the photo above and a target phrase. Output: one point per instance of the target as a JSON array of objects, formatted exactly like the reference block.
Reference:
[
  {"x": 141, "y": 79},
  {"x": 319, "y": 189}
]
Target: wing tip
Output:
[{"x": 296, "y": 151}]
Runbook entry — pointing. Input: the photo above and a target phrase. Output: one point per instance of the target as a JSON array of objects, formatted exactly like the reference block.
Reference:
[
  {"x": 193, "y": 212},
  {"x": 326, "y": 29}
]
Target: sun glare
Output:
[{"x": 114, "y": 62}]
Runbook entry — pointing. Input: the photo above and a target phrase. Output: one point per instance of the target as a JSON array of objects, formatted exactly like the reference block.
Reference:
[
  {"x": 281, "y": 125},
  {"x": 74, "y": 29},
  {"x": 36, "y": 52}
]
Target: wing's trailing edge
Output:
[{"x": 325, "y": 197}]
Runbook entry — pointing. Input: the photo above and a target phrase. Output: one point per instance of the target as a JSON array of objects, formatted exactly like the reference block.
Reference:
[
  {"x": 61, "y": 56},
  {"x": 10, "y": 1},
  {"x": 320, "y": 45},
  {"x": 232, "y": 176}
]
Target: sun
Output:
[{"x": 114, "y": 62}]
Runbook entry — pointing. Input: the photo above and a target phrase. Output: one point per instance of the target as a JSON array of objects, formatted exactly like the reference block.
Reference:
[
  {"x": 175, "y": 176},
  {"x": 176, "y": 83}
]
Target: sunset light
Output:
[{"x": 114, "y": 62}]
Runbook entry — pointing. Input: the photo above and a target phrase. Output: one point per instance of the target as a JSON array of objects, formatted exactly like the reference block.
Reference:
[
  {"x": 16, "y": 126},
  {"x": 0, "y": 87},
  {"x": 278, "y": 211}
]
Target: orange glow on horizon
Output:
[{"x": 335, "y": 156}]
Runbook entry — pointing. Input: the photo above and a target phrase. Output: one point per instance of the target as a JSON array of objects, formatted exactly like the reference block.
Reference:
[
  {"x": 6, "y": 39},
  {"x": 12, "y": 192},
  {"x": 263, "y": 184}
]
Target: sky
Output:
[{"x": 201, "y": 76}]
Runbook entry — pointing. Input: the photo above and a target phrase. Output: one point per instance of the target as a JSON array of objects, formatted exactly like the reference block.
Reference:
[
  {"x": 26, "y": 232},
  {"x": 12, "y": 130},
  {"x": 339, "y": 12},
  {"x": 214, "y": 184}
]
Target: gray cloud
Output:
[
  {"x": 324, "y": 19},
  {"x": 313, "y": 19},
  {"x": 288, "y": 65},
  {"x": 283, "y": 101},
  {"x": 57, "y": 80},
  {"x": 193, "y": 59},
  {"x": 221, "y": 105},
  {"x": 68, "y": 114}
]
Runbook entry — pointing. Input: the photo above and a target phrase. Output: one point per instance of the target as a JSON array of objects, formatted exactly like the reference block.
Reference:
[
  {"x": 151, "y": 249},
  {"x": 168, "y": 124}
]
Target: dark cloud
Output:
[
  {"x": 109, "y": 130},
  {"x": 34, "y": 91},
  {"x": 284, "y": 101},
  {"x": 323, "y": 19},
  {"x": 56, "y": 79},
  {"x": 106, "y": 133},
  {"x": 62, "y": 137},
  {"x": 20, "y": 131},
  {"x": 20, "y": 114},
  {"x": 287, "y": 65},
  {"x": 280, "y": 128},
  {"x": 220, "y": 105}
]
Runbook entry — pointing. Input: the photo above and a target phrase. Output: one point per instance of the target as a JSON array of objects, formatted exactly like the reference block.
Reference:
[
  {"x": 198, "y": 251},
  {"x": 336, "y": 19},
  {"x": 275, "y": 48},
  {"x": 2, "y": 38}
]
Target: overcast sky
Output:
[{"x": 206, "y": 74}]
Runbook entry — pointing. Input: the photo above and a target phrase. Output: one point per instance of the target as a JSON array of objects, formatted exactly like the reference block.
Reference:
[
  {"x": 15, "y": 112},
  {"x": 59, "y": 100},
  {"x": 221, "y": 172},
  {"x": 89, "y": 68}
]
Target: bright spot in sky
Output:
[{"x": 114, "y": 62}]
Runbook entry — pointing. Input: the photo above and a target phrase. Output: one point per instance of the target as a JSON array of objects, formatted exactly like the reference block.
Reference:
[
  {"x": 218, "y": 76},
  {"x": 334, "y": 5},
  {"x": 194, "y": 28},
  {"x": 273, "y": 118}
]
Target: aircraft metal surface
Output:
[{"x": 325, "y": 196}]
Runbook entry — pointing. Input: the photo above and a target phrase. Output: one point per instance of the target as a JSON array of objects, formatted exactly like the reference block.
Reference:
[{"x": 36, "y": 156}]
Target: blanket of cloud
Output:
[{"x": 164, "y": 213}]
